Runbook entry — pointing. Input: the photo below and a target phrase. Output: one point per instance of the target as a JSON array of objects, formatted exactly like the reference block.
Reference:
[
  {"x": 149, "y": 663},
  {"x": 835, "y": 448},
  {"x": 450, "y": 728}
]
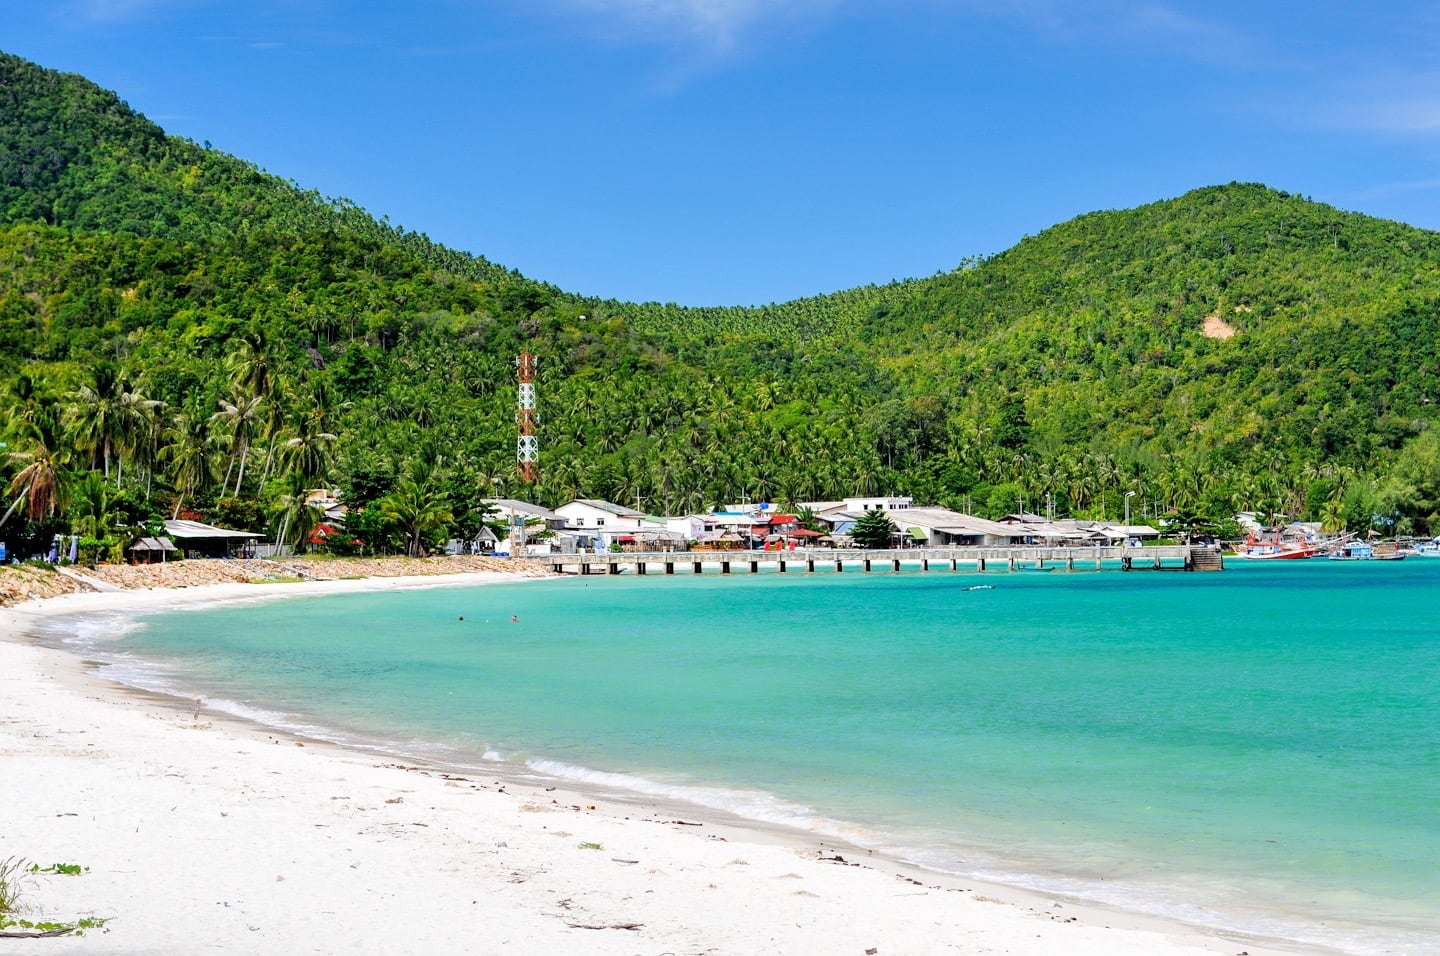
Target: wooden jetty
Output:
[{"x": 811, "y": 561}]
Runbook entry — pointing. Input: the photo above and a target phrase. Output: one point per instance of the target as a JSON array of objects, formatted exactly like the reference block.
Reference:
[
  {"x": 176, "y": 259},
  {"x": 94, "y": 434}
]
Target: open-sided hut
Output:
[{"x": 199, "y": 540}]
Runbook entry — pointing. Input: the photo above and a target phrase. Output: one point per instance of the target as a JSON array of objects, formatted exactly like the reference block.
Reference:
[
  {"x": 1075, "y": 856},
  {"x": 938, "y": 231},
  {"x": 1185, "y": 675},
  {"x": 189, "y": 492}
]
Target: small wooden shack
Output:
[{"x": 150, "y": 550}]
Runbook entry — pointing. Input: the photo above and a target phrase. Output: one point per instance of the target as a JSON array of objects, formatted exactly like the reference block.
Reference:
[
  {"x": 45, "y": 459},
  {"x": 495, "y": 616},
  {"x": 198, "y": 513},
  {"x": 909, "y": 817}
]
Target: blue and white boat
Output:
[{"x": 1353, "y": 551}]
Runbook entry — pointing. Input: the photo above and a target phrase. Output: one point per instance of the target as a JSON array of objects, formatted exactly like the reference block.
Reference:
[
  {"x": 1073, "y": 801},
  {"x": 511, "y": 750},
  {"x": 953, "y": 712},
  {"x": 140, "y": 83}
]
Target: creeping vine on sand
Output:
[{"x": 13, "y": 871}]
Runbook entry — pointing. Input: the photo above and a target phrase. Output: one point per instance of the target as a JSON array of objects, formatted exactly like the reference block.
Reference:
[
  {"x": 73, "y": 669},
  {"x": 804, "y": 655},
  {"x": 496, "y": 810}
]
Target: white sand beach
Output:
[{"x": 203, "y": 833}]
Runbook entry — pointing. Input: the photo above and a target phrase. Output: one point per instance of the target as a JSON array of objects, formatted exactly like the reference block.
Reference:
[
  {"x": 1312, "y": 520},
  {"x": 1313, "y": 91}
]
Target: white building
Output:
[
  {"x": 604, "y": 522},
  {"x": 529, "y": 520},
  {"x": 861, "y": 505}
]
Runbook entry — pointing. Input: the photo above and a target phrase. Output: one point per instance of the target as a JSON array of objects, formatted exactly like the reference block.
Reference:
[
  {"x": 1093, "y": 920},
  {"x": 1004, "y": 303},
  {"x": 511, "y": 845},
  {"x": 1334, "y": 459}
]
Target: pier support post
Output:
[
  {"x": 754, "y": 567},
  {"x": 724, "y": 567},
  {"x": 867, "y": 565},
  {"x": 894, "y": 564},
  {"x": 695, "y": 567},
  {"x": 839, "y": 565},
  {"x": 640, "y": 568},
  {"x": 780, "y": 566},
  {"x": 1012, "y": 563},
  {"x": 979, "y": 564},
  {"x": 669, "y": 567},
  {"x": 613, "y": 567},
  {"x": 810, "y": 565}
]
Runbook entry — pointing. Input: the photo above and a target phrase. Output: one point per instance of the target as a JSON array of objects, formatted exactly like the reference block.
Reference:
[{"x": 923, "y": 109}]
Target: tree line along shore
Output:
[{"x": 184, "y": 335}]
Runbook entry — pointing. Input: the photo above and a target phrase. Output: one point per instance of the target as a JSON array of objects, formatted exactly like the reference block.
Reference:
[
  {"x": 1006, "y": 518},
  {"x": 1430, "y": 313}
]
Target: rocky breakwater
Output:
[
  {"x": 28, "y": 582},
  {"x": 25, "y": 583}
]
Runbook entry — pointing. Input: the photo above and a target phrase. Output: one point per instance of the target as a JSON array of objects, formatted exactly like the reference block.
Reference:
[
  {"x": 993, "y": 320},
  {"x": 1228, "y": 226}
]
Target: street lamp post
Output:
[{"x": 1128, "y": 496}]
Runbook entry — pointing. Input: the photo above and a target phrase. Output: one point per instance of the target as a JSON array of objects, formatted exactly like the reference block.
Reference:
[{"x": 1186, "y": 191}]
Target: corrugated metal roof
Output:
[
  {"x": 525, "y": 507},
  {"x": 195, "y": 529}
]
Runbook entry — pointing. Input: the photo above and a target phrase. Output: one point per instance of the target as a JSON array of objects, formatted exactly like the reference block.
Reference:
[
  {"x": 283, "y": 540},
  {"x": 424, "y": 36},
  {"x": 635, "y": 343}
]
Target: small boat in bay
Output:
[
  {"x": 1425, "y": 549},
  {"x": 1276, "y": 550},
  {"x": 1353, "y": 551}
]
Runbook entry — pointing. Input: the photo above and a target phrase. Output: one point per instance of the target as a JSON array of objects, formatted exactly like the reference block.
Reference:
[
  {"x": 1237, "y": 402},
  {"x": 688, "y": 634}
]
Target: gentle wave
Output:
[{"x": 753, "y": 805}]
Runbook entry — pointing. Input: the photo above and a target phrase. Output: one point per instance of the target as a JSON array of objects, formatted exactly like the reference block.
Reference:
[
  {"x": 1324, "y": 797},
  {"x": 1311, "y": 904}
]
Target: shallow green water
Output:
[{"x": 1258, "y": 749}]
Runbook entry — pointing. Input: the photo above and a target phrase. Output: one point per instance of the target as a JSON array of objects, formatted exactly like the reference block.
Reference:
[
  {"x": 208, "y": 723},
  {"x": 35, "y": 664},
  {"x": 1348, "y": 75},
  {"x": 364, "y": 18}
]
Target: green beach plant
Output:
[
  {"x": 14, "y": 871},
  {"x": 12, "y": 874}
]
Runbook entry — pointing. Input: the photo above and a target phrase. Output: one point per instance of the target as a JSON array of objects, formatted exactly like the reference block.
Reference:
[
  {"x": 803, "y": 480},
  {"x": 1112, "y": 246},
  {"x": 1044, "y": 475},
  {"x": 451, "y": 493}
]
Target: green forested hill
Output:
[{"x": 221, "y": 338}]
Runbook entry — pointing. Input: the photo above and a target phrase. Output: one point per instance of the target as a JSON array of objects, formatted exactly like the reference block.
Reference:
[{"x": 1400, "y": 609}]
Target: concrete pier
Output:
[{"x": 919, "y": 560}]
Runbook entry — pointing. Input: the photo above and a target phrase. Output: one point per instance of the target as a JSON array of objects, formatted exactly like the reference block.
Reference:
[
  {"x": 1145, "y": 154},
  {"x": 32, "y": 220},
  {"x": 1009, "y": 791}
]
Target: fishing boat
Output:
[
  {"x": 1425, "y": 549},
  {"x": 1276, "y": 550},
  {"x": 1352, "y": 551}
]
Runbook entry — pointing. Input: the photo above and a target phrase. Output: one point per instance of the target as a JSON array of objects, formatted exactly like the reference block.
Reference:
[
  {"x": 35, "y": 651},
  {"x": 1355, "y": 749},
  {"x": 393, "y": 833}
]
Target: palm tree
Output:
[
  {"x": 38, "y": 483},
  {"x": 188, "y": 454},
  {"x": 309, "y": 452},
  {"x": 418, "y": 507},
  {"x": 249, "y": 364},
  {"x": 96, "y": 414},
  {"x": 296, "y": 517},
  {"x": 240, "y": 417},
  {"x": 89, "y": 511},
  {"x": 142, "y": 420}
]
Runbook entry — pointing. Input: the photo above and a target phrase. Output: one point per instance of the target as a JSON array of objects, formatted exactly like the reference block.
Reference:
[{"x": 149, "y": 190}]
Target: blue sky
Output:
[{"x": 730, "y": 152}]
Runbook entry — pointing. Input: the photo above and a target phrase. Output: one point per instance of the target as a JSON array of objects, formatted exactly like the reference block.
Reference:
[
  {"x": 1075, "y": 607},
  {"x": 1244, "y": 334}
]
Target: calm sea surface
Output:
[{"x": 1256, "y": 750}]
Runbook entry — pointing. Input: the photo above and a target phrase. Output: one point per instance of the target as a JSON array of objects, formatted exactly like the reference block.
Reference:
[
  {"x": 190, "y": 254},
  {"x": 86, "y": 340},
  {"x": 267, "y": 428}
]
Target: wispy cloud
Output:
[
  {"x": 718, "y": 24},
  {"x": 1363, "y": 97},
  {"x": 1146, "y": 24},
  {"x": 114, "y": 11},
  {"x": 1391, "y": 190},
  {"x": 1412, "y": 112},
  {"x": 722, "y": 25}
]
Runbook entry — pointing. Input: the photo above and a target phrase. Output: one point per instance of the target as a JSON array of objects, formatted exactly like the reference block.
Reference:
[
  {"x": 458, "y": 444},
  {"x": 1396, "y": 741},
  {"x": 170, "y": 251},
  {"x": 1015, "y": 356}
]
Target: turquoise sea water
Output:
[{"x": 1255, "y": 750}]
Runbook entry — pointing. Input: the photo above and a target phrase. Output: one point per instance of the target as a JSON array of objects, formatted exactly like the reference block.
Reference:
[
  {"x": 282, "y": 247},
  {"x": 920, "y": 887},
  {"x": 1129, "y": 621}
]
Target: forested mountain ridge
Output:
[
  {"x": 76, "y": 156},
  {"x": 222, "y": 314}
]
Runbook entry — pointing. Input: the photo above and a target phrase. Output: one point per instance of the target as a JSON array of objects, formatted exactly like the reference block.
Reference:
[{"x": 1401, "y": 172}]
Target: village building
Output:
[
  {"x": 535, "y": 528},
  {"x": 597, "y": 524},
  {"x": 197, "y": 540}
]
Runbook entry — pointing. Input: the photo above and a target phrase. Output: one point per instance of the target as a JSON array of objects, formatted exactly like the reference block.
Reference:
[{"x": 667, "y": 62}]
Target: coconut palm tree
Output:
[
  {"x": 38, "y": 483},
  {"x": 187, "y": 452},
  {"x": 89, "y": 511},
  {"x": 417, "y": 507},
  {"x": 310, "y": 451},
  {"x": 295, "y": 517},
  {"x": 240, "y": 415},
  {"x": 96, "y": 415}
]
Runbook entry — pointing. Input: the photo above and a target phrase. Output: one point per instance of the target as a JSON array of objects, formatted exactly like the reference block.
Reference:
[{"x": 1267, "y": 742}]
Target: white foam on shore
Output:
[
  {"x": 1212, "y": 903},
  {"x": 753, "y": 805}
]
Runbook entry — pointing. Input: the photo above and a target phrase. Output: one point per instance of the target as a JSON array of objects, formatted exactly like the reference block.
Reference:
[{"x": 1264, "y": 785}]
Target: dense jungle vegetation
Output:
[{"x": 181, "y": 332}]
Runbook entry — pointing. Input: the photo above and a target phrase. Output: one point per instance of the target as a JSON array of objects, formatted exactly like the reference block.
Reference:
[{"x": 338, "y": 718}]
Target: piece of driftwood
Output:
[
  {"x": 35, "y": 933},
  {"x": 604, "y": 925}
]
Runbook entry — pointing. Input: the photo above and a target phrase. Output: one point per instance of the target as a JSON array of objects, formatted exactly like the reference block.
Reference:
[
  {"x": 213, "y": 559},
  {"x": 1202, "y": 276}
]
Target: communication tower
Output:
[{"x": 527, "y": 444}]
